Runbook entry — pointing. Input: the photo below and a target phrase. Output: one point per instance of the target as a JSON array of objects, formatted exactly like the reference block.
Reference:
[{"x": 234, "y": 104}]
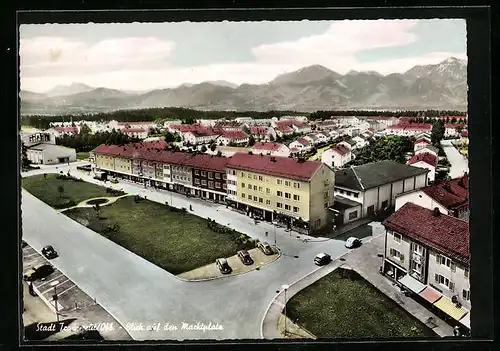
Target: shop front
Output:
[{"x": 393, "y": 271}]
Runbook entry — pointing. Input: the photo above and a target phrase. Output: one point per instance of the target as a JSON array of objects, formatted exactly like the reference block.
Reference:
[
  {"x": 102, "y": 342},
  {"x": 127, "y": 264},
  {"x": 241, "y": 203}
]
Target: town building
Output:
[
  {"x": 450, "y": 196},
  {"x": 408, "y": 129},
  {"x": 452, "y": 130},
  {"x": 283, "y": 130},
  {"x": 427, "y": 252},
  {"x": 262, "y": 133},
  {"x": 33, "y": 138},
  {"x": 425, "y": 160},
  {"x": 231, "y": 136},
  {"x": 336, "y": 156},
  {"x": 49, "y": 154},
  {"x": 134, "y": 125},
  {"x": 326, "y": 124},
  {"x": 200, "y": 136},
  {"x": 280, "y": 189},
  {"x": 228, "y": 125},
  {"x": 349, "y": 144},
  {"x": 360, "y": 142},
  {"x": 420, "y": 143},
  {"x": 61, "y": 131},
  {"x": 373, "y": 187},
  {"x": 135, "y": 132},
  {"x": 302, "y": 145},
  {"x": 428, "y": 149},
  {"x": 272, "y": 149}
]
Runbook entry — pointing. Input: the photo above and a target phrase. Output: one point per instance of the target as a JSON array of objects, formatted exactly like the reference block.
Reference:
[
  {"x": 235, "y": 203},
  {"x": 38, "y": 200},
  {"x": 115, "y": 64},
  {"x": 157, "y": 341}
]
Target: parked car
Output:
[
  {"x": 245, "y": 257},
  {"x": 49, "y": 252},
  {"x": 223, "y": 266},
  {"x": 38, "y": 272},
  {"x": 265, "y": 248},
  {"x": 322, "y": 259},
  {"x": 24, "y": 244},
  {"x": 352, "y": 242}
]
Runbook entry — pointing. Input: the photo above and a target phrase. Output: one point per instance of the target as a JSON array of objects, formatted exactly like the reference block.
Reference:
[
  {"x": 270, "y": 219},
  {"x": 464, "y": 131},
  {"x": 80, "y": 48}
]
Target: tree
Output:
[
  {"x": 437, "y": 132},
  {"x": 251, "y": 141},
  {"x": 453, "y": 120},
  {"x": 60, "y": 189},
  {"x": 213, "y": 146},
  {"x": 97, "y": 209},
  {"x": 24, "y": 156},
  {"x": 203, "y": 148},
  {"x": 169, "y": 137}
]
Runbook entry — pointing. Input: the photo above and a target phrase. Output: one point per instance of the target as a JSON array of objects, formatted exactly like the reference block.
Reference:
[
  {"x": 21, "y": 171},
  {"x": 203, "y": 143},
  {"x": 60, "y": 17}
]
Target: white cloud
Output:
[{"x": 141, "y": 63}]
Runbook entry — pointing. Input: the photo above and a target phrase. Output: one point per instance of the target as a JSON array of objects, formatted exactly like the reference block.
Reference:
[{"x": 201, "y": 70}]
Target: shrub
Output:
[
  {"x": 183, "y": 210},
  {"x": 252, "y": 242},
  {"x": 114, "y": 181}
]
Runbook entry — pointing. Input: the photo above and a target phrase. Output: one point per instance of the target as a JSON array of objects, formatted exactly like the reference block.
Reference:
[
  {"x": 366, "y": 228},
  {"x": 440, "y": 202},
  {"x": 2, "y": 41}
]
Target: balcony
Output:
[{"x": 416, "y": 257}]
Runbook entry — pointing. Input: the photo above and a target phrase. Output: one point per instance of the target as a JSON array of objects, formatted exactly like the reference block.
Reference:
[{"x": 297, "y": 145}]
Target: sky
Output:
[{"x": 146, "y": 56}]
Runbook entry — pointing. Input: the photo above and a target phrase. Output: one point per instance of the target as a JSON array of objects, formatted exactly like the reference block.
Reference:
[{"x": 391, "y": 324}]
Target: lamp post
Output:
[
  {"x": 285, "y": 288},
  {"x": 55, "y": 298},
  {"x": 274, "y": 225}
]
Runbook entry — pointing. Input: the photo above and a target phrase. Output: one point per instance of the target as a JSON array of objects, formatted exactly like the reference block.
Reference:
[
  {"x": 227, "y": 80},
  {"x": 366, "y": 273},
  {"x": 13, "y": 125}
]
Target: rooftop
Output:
[
  {"x": 275, "y": 165},
  {"x": 422, "y": 140},
  {"x": 443, "y": 233},
  {"x": 341, "y": 150},
  {"x": 375, "y": 174},
  {"x": 452, "y": 194},
  {"x": 267, "y": 146},
  {"x": 426, "y": 157}
]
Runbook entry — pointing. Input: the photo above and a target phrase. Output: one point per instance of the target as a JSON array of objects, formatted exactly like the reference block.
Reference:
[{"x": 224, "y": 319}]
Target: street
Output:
[
  {"x": 459, "y": 163},
  {"x": 134, "y": 290}
]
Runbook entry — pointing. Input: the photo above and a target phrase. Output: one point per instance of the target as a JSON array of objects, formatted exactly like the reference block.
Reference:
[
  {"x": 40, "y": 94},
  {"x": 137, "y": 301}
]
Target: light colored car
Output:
[
  {"x": 352, "y": 242},
  {"x": 322, "y": 259}
]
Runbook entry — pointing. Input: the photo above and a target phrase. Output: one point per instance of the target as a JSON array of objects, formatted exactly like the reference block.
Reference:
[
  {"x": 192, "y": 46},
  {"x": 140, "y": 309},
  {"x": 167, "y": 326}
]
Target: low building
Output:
[
  {"x": 272, "y": 149},
  {"x": 32, "y": 138},
  {"x": 49, "y": 154},
  {"x": 450, "y": 196},
  {"x": 336, "y": 156},
  {"x": 229, "y": 125},
  {"x": 226, "y": 137},
  {"x": 360, "y": 142},
  {"x": 428, "y": 149},
  {"x": 262, "y": 133},
  {"x": 375, "y": 185},
  {"x": 349, "y": 144},
  {"x": 425, "y": 160},
  {"x": 303, "y": 145},
  {"x": 427, "y": 252},
  {"x": 200, "y": 136},
  {"x": 420, "y": 143},
  {"x": 61, "y": 131},
  {"x": 452, "y": 130},
  {"x": 326, "y": 124},
  {"x": 139, "y": 133},
  {"x": 283, "y": 130}
]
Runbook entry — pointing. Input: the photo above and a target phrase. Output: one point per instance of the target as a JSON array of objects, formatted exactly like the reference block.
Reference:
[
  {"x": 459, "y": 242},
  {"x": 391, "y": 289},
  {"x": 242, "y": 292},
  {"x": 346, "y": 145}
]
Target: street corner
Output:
[{"x": 210, "y": 271}]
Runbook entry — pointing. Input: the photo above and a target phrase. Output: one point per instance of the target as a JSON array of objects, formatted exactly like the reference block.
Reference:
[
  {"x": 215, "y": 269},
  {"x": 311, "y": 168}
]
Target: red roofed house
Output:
[
  {"x": 290, "y": 192},
  {"x": 262, "y": 132},
  {"x": 229, "y": 125},
  {"x": 142, "y": 125},
  {"x": 450, "y": 196},
  {"x": 298, "y": 127},
  {"x": 135, "y": 132},
  {"x": 420, "y": 143},
  {"x": 199, "y": 136},
  {"x": 425, "y": 160},
  {"x": 60, "y": 131},
  {"x": 237, "y": 137},
  {"x": 409, "y": 129},
  {"x": 427, "y": 250},
  {"x": 282, "y": 130},
  {"x": 303, "y": 145},
  {"x": 453, "y": 129},
  {"x": 336, "y": 156},
  {"x": 272, "y": 149}
]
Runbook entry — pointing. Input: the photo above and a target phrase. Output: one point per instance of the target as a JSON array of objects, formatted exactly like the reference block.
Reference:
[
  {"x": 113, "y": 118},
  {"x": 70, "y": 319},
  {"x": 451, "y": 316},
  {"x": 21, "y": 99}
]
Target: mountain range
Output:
[{"x": 437, "y": 86}]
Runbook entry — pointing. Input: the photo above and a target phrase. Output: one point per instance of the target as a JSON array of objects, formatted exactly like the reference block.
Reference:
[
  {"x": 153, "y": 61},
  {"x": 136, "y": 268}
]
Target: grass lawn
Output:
[
  {"x": 47, "y": 190},
  {"x": 177, "y": 242},
  {"x": 350, "y": 307},
  {"x": 82, "y": 155}
]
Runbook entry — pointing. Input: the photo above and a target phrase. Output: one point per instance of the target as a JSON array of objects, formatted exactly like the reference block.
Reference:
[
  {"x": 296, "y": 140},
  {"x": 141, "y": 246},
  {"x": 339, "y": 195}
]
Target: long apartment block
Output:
[{"x": 285, "y": 190}]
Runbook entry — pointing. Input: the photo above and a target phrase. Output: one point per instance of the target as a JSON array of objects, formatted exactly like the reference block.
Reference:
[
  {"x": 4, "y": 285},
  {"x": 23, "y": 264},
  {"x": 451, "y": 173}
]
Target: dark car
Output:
[
  {"x": 352, "y": 243},
  {"x": 322, "y": 259},
  {"x": 49, "y": 252},
  {"x": 38, "y": 272},
  {"x": 223, "y": 266},
  {"x": 245, "y": 257},
  {"x": 265, "y": 248},
  {"x": 24, "y": 244}
]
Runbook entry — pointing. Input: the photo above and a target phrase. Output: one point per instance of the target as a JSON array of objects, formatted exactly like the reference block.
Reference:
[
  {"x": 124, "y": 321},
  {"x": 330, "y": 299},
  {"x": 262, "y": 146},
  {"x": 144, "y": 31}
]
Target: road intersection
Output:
[{"x": 138, "y": 293}]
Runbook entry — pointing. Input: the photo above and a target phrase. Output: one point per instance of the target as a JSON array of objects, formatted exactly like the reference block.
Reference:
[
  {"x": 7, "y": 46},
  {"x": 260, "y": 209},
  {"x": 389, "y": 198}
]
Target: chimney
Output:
[{"x": 436, "y": 212}]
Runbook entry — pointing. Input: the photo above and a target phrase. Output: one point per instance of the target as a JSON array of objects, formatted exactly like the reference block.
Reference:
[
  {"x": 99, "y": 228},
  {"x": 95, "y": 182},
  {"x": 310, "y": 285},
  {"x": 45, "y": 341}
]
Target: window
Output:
[
  {"x": 385, "y": 203},
  {"x": 396, "y": 254},
  {"x": 287, "y": 183},
  {"x": 325, "y": 195},
  {"x": 224, "y": 177},
  {"x": 416, "y": 266},
  {"x": 279, "y": 181},
  {"x": 203, "y": 182},
  {"x": 279, "y": 193},
  {"x": 197, "y": 181},
  {"x": 288, "y": 196},
  {"x": 279, "y": 205},
  {"x": 418, "y": 249},
  {"x": 250, "y": 197},
  {"x": 295, "y": 185},
  {"x": 196, "y": 172},
  {"x": 287, "y": 207},
  {"x": 466, "y": 273},
  {"x": 295, "y": 209},
  {"x": 250, "y": 186},
  {"x": 348, "y": 193},
  {"x": 210, "y": 175},
  {"x": 445, "y": 261},
  {"x": 242, "y": 174},
  {"x": 268, "y": 191},
  {"x": 268, "y": 202},
  {"x": 397, "y": 237},
  {"x": 260, "y": 188},
  {"x": 255, "y": 187},
  {"x": 255, "y": 176},
  {"x": 217, "y": 175},
  {"x": 260, "y": 178},
  {"x": 466, "y": 295},
  {"x": 326, "y": 205},
  {"x": 243, "y": 195},
  {"x": 296, "y": 197},
  {"x": 224, "y": 186},
  {"x": 217, "y": 185},
  {"x": 203, "y": 173},
  {"x": 242, "y": 185},
  {"x": 353, "y": 215},
  {"x": 261, "y": 200},
  {"x": 438, "y": 278}
]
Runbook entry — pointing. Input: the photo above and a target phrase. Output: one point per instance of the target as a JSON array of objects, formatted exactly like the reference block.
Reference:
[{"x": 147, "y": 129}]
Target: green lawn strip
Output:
[
  {"x": 82, "y": 155},
  {"x": 47, "y": 190},
  {"x": 177, "y": 242},
  {"x": 350, "y": 307}
]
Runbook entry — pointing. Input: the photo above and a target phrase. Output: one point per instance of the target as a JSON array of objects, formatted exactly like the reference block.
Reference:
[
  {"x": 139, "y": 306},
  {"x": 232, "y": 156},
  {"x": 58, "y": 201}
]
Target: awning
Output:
[
  {"x": 450, "y": 308},
  {"x": 412, "y": 284},
  {"x": 430, "y": 294},
  {"x": 465, "y": 321}
]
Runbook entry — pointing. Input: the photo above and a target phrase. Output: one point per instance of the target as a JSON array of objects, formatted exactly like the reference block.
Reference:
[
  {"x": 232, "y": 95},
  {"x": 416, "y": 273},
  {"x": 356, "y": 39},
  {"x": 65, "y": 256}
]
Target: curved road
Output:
[
  {"x": 134, "y": 290},
  {"x": 459, "y": 163}
]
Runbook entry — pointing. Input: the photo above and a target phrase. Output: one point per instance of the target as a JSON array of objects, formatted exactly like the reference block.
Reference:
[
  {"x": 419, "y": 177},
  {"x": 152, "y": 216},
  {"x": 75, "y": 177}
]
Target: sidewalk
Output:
[{"x": 364, "y": 261}]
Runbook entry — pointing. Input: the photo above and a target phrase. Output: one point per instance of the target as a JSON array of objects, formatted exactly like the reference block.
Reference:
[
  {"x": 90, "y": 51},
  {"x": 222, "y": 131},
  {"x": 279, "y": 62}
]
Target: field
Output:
[
  {"x": 47, "y": 190},
  {"x": 175, "y": 241},
  {"x": 344, "y": 305},
  {"x": 82, "y": 155}
]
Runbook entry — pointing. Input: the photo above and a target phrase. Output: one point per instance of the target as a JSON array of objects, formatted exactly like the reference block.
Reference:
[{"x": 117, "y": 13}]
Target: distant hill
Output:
[{"x": 440, "y": 86}]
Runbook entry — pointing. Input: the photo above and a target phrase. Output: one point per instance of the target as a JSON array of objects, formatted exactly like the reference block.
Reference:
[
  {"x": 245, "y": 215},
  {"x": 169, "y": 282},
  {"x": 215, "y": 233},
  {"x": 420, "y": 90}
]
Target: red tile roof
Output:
[
  {"x": 450, "y": 117},
  {"x": 454, "y": 125},
  {"x": 284, "y": 128},
  {"x": 133, "y": 123},
  {"x": 380, "y": 117},
  {"x": 465, "y": 133},
  {"x": 66, "y": 129},
  {"x": 154, "y": 151},
  {"x": 444, "y": 233},
  {"x": 422, "y": 140},
  {"x": 185, "y": 127},
  {"x": 259, "y": 130},
  {"x": 412, "y": 126},
  {"x": 232, "y": 134},
  {"x": 291, "y": 122},
  {"x": 132, "y": 130},
  {"x": 228, "y": 124},
  {"x": 341, "y": 150},
  {"x": 452, "y": 194},
  {"x": 267, "y": 146},
  {"x": 426, "y": 157},
  {"x": 281, "y": 166},
  {"x": 201, "y": 132},
  {"x": 303, "y": 141}
]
